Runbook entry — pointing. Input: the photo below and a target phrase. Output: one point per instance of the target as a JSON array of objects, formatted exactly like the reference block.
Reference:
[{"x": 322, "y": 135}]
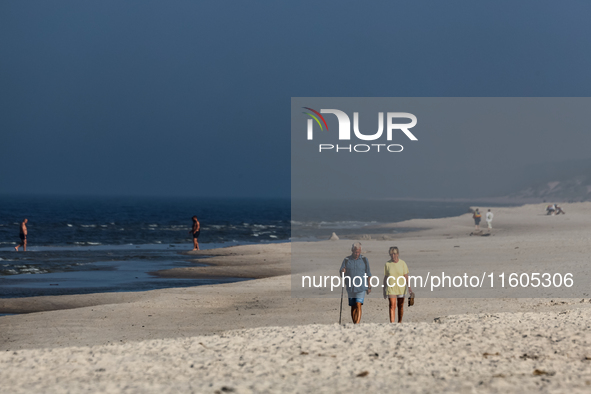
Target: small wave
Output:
[
  {"x": 88, "y": 225},
  {"x": 23, "y": 269},
  {"x": 273, "y": 236},
  {"x": 32, "y": 270},
  {"x": 152, "y": 225},
  {"x": 69, "y": 225},
  {"x": 104, "y": 225}
]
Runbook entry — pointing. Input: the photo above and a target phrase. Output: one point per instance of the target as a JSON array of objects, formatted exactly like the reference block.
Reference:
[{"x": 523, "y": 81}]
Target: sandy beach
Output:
[{"x": 252, "y": 336}]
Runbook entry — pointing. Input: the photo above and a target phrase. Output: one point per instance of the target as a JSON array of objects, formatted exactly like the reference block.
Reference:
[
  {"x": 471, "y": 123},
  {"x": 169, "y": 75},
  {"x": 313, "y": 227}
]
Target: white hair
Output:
[{"x": 356, "y": 245}]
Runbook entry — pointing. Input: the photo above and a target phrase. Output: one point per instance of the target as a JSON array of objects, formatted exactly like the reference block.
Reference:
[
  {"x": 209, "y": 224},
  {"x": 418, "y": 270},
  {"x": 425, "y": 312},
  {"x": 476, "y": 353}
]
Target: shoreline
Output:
[
  {"x": 241, "y": 261},
  {"x": 106, "y": 269},
  {"x": 270, "y": 296}
]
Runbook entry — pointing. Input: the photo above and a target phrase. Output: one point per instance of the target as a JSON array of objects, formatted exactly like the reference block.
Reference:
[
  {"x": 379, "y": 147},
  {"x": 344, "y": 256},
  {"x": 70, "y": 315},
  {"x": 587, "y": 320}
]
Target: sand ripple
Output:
[{"x": 506, "y": 352}]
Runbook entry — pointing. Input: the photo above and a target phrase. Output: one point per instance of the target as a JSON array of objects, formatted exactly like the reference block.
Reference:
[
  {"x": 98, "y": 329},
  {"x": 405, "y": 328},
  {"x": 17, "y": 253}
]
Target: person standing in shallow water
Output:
[
  {"x": 195, "y": 231},
  {"x": 23, "y": 236}
]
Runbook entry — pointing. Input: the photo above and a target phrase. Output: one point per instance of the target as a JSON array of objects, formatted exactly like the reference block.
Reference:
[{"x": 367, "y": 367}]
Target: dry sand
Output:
[
  {"x": 158, "y": 340},
  {"x": 511, "y": 352}
]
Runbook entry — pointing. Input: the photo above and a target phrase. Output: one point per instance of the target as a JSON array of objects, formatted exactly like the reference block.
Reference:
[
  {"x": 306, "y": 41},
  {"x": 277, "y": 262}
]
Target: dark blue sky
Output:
[{"x": 193, "y": 97}]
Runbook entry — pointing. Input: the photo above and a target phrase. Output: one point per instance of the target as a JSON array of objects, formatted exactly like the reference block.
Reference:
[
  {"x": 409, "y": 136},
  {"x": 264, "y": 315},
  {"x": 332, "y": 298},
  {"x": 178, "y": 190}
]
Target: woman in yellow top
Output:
[{"x": 395, "y": 283}]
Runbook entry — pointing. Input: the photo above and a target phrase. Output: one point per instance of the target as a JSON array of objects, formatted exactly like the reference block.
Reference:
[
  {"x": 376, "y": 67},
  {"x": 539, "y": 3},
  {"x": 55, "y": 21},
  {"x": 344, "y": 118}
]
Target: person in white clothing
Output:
[{"x": 489, "y": 218}]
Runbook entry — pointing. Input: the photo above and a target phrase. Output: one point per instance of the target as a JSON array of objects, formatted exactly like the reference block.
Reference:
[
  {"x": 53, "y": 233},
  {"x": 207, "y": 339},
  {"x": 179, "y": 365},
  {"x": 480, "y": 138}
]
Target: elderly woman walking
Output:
[{"x": 394, "y": 285}]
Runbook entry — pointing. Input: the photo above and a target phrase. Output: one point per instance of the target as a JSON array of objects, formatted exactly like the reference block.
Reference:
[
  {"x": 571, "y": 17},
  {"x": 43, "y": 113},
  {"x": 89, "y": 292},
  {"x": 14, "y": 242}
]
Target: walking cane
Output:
[{"x": 341, "y": 314}]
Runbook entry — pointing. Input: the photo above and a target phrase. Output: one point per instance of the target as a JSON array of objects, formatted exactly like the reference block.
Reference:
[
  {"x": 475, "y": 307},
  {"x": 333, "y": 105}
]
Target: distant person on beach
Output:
[
  {"x": 195, "y": 231},
  {"x": 394, "y": 269},
  {"x": 23, "y": 236},
  {"x": 357, "y": 280},
  {"x": 559, "y": 210},
  {"x": 477, "y": 217},
  {"x": 489, "y": 218}
]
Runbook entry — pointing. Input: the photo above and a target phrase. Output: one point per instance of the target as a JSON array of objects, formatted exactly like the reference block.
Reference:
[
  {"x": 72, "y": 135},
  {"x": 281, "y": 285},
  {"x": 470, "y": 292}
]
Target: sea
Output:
[{"x": 79, "y": 245}]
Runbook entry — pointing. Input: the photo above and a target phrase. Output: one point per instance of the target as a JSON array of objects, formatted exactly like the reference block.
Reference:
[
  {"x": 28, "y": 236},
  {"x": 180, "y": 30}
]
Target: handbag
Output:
[{"x": 411, "y": 298}]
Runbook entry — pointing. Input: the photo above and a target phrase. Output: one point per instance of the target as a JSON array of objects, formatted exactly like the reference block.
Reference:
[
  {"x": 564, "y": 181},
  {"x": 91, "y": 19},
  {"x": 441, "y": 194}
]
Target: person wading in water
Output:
[
  {"x": 195, "y": 231},
  {"x": 23, "y": 236}
]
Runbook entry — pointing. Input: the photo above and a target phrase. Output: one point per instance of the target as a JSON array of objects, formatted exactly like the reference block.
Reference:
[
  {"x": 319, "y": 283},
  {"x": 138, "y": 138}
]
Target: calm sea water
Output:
[
  {"x": 120, "y": 221},
  {"x": 88, "y": 245}
]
